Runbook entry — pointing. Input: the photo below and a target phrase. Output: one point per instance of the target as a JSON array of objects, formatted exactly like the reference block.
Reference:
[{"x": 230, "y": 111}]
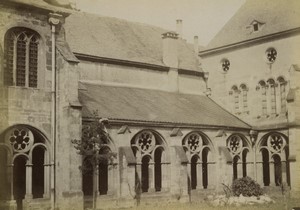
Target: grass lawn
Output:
[{"x": 278, "y": 205}]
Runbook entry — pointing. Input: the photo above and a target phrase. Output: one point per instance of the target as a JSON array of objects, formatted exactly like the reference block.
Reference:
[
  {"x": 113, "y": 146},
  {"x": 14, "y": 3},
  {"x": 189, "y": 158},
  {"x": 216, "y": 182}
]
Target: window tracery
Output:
[
  {"x": 21, "y": 57},
  {"x": 271, "y": 55}
]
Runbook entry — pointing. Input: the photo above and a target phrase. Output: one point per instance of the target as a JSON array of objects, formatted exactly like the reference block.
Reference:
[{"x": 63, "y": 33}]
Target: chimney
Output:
[
  {"x": 179, "y": 28},
  {"x": 196, "y": 45},
  {"x": 170, "y": 51}
]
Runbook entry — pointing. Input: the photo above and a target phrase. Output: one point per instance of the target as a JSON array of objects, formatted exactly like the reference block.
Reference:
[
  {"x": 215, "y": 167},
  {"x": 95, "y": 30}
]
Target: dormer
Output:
[{"x": 255, "y": 26}]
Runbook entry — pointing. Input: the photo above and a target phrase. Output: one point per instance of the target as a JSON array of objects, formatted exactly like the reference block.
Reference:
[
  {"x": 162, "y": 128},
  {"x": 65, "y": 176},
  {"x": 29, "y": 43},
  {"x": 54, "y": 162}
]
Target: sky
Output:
[{"x": 202, "y": 18}]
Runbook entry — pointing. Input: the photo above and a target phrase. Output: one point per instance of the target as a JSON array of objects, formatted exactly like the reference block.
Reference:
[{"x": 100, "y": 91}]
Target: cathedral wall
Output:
[{"x": 248, "y": 65}]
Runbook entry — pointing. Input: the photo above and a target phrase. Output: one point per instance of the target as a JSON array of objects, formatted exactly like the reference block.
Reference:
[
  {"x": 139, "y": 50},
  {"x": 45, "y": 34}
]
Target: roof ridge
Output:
[{"x": 95, "y": 15}]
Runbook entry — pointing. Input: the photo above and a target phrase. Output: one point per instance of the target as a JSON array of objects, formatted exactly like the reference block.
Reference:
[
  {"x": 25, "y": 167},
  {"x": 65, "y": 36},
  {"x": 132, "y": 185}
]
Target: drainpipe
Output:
[{"x": 54, "y": 21}]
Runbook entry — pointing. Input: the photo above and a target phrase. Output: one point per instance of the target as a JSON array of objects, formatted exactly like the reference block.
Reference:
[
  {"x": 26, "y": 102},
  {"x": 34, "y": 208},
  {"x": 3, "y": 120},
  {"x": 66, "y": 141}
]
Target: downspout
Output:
[{"x": 54, "y": 21}]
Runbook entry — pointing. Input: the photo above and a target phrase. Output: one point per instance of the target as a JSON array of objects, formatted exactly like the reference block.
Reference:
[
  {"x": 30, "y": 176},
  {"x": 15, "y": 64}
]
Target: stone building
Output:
[
  {"x": 253, "y": 64},
  {"x": 58, "y": 66}
]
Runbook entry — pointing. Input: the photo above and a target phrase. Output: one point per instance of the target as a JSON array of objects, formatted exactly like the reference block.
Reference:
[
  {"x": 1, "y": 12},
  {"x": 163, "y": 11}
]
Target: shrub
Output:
[{"x": 246, "y": 186}]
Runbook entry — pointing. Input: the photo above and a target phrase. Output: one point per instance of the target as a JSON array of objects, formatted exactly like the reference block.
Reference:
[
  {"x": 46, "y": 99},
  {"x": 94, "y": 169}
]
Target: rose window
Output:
[
  {"x": 194, "y": 142},
  {"x": 271, "y": 55},
  {"x": 276, "y": 143},
  {"x": 225, "y": 65},
  {"x": 235, "y": 144},
  {"x": 145, "y": 141},
  {"x": 21, "y": 139}
]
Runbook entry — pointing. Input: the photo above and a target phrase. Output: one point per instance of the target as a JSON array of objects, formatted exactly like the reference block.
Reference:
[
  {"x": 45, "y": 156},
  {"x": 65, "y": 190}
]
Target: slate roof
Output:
[
  {"x": 114, "y": 38},
  {"x": 134, "y": 104},
  {"x": 41, "y": 4},
  {"x": 276, "y": 16}
]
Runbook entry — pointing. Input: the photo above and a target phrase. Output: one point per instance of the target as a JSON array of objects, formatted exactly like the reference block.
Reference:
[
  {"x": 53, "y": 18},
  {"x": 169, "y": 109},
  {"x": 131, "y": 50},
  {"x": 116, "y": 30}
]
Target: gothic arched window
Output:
[
  {"x": 273, "y": 149},
  {"x": 236, "y": 99},
  {"x": 198, "y": 150},
  {"x": 149, "y": 149},
  {"x": 263, "y": 90},
  {"x": 244, "y": 91},
  {"x": 239, "y": 150},
  {"x": 282, "y": 89},
  {"x": 21, "y": 57},
  {"x": 272, "y": 94}
]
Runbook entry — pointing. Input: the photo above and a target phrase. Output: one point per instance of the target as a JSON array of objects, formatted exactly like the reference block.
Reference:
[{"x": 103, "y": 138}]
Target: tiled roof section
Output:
[
  {"x": 275, "y": 16},
  {"x": 42, "y": 5},
  {"x": 125, "y": 103},
  {"x": 119, "y": 39}
]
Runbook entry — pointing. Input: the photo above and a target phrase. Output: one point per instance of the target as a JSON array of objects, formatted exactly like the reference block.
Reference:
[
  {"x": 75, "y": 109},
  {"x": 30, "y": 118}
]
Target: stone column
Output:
[
  {"x": 211, "y": 175},
  {"x": 283, "y": 172},
  {"x": 259, "y": 170},
  {"x": 11, "y": 182},
  {"x": 199, "y": 175},
  {"x": 46, "y": 180},
  {"x": 272, "y": 173},
  {"x": 151, "y": 177},
  {"x": 164, "y": 176},
  {"x": 28, "y": 181},
  {"x": 110, "y": 179},
  {"x": 239, "y": 169}
]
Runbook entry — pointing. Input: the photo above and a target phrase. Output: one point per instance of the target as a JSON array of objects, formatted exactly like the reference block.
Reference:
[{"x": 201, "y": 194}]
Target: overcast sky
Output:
[{"x": 203, "y": 18}]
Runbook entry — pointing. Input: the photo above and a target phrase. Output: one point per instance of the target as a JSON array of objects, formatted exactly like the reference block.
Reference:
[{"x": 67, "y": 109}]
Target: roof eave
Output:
[
  {"x": 249, "y": 42},
  {"x": 114, "y": 121}
]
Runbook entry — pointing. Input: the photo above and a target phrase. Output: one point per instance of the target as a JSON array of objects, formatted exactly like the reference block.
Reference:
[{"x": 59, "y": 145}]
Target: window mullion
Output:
[
  {"x": 27, "y": 64},
  {"x": 15, "y": 63}
]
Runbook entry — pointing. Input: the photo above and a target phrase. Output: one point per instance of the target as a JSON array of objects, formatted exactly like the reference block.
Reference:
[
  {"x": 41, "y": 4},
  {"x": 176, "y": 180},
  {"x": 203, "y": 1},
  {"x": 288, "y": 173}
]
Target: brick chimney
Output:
[
  {"x": 179, "y": 28},
  {"x": 170, "y": 51}
]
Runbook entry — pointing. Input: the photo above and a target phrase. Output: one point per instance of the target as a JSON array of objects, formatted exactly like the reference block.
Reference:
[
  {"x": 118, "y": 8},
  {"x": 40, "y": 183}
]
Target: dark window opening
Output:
[
  {"x": 38, "y": 172},
  {"x": 157, "y": 169},
  {"x": 235, "y": 165},
  {"x": 278, "y": 170},
  {"x": 204, "y": 168},
  {"x": 194, "y": 172},
  {"x": 4, "y": 189},
  {"x": 19, "y": 180},
  {"x": 145, "y": 174},
  {"x": 103, "y": 178},
  {"x": 266, "y": 167},
  {"x": 255, "y": 26}
]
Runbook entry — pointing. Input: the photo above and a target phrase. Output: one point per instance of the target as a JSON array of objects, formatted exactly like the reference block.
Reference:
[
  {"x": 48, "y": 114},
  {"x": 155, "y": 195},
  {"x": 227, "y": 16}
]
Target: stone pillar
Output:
[
  {"x": 11, "y": 182},
  {"x": 211, "y": 175},
  {"x": 110, "y": 177},
  {"x": 239, "y": 169},
  {"x": 164, "y": 176},
  {"x": 259, "y": 171},
  {"x": 151, "y": 177},
  {"x": 28, "y": 181},
  {"x": 283, "y": 172},
  {"x": 199, "y": 175},
  {"x": 46, "y": 180},
  {"x": 272, "y": 173},
  {"x": 123, "y": 177},
  {"x": 250, "y": 170}
]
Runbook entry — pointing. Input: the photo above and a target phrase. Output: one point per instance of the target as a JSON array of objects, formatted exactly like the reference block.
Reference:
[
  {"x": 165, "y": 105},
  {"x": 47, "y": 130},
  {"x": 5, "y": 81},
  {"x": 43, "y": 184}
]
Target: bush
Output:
[{"x": 246, "y": 186}]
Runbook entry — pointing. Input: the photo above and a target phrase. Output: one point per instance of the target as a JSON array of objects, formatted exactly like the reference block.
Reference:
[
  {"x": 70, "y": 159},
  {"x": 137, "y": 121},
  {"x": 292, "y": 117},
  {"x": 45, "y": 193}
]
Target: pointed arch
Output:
[{"x": 273, "y": 147}]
